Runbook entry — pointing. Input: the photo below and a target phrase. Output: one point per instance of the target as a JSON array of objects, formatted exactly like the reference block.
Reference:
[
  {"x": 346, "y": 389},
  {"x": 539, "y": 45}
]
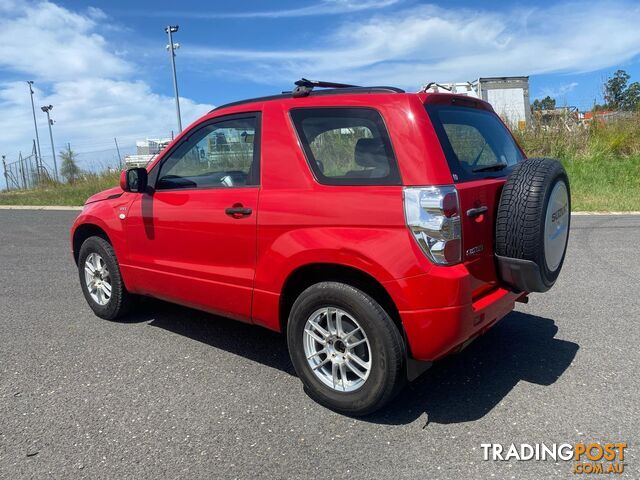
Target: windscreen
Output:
[{"x": 475, "y": 142}]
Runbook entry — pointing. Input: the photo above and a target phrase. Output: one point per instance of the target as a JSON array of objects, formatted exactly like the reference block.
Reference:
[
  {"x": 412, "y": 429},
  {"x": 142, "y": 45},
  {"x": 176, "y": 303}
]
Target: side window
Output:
[
  {"x": 346, "y": 146},
  {"x": 221, "y": 154}
]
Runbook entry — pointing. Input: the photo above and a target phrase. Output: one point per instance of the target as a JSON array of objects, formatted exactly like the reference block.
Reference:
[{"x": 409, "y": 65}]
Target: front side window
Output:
[
  {"x": 475, "y": 142},
  {"x": 346, "y": 146},
  {"x": 221, "y": 154}
]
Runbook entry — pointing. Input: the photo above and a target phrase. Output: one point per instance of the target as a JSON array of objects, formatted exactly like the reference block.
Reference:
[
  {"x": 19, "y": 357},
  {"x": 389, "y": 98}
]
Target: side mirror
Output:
[{"x": 134, "y": 180}]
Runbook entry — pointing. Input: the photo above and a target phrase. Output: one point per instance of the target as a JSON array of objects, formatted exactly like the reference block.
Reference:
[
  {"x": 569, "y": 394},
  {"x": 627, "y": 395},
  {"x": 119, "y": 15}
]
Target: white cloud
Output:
[
  {"x": 95, "y": 109},
  {"x": 430, "y": 43},
  {"x": 47, "y": 41},
  {"x": 93, "y": 89},
  {"x": 96, "y": 13},
  {"x": 558, "y": 91},
  {"x": 324, "y": 7}
]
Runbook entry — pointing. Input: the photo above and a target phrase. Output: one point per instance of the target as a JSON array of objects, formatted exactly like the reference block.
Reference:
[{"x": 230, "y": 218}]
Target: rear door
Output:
[{"x": 481, "y": 152}]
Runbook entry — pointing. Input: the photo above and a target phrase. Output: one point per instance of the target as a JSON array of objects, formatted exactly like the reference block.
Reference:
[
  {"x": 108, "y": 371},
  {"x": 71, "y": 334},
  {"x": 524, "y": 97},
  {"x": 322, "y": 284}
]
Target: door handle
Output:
[
  {"x": 238, "y": 212},
  {"x": 474, "y": 212}
]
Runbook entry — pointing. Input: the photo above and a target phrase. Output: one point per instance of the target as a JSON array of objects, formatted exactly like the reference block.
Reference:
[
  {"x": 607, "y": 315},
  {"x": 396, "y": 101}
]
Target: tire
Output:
[
  {"x": 119, "y": 301},
  {"x": 532, "y": 225},
  {"x": 384, "y": 348}
]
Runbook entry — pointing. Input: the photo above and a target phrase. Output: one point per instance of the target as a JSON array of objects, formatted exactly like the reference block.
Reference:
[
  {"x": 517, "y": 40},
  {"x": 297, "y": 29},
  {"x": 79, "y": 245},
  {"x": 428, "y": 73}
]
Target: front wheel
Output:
[
  {"x": 345, "y": 348},
  {"x": 101, "y": 281}
]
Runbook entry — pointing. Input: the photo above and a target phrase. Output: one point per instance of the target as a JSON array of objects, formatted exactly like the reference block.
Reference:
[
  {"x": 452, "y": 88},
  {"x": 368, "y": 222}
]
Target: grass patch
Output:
[
  {"x": 61, "y": 193},
  {"x": 602, "y": 160},
  {"x": 605, "y": 184}
]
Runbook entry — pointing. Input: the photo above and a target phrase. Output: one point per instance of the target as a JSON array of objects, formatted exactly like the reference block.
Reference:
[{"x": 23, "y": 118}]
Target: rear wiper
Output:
[{"x": 493, "y": 167}]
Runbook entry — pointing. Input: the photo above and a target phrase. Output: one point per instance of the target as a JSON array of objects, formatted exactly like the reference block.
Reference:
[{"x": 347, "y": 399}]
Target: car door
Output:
[{"x": 192, "y": 237}]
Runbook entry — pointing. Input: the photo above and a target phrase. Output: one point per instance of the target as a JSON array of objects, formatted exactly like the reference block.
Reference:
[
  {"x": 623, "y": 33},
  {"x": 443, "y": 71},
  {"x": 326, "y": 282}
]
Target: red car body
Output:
[{"x": 181, "y": 246}]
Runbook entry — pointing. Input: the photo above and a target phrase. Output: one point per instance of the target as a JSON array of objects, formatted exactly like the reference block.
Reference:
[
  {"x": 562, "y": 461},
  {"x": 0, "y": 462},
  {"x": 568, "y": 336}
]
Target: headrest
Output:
[{"x": 370, "y": 153}]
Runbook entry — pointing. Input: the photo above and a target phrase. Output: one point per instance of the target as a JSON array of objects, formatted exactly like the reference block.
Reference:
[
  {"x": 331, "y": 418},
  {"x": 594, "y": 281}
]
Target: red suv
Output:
[{"x": 381, "y": 230}]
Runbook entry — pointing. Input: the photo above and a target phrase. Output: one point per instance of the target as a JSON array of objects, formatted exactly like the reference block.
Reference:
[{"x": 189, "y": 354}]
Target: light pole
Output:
[
  {"x": 35, "y": 125},
  {"x": 171, "y": 29},
  {"x": 46, "y": 109}
]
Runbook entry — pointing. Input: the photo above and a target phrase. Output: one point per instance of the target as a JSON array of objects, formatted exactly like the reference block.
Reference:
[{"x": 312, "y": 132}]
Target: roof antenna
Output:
[{"x": 304, "y": 87}]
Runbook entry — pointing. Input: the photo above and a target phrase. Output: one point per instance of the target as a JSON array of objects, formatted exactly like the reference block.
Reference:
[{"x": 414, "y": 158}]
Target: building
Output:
[
  {"x": 145, "y": 151},
  {"x": 509, "y": 96},
  {"x": 151, "y": 146}
]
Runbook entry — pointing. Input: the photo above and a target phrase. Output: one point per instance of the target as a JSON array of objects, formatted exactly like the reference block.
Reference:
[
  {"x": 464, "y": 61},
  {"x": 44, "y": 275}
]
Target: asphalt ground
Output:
[{"x": 175, "y": 393}]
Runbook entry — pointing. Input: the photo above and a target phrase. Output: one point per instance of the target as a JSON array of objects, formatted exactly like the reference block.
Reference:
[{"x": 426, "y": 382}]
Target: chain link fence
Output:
[
  {"x": 21, "y": 173},
  {"x": 26, "y": 172}
]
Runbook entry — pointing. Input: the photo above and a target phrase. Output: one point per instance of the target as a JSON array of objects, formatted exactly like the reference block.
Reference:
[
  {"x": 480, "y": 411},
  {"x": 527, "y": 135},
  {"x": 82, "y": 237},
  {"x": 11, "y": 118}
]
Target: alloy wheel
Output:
[
  {"x": 337, "y": 349},
  {"x": 97, "y": 279}
]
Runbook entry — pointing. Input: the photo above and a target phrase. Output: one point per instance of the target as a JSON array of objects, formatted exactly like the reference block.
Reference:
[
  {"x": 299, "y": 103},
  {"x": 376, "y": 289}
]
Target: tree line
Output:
[{"x": 618, "y": 94}]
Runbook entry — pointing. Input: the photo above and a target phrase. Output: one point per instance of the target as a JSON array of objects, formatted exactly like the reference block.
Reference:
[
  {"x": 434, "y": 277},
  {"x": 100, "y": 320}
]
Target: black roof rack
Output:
[{"x": 305, "y": 88}]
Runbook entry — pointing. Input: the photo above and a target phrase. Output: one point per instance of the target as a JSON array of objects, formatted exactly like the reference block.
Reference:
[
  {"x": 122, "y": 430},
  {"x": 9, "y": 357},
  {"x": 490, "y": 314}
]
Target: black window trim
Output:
[
  {"x": 393, "y": 179},
  {"x": 257, "y": 115}
]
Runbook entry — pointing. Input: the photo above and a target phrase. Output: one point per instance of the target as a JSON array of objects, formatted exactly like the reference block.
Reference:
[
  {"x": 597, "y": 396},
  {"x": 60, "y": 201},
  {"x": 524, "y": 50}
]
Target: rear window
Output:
[
  {"x": 346, "y": 146},
  {"x": 475, "y": 142}
]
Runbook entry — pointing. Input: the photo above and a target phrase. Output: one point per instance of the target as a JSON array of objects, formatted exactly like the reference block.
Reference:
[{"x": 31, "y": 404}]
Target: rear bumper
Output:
[{"x": 435, "y": 332}]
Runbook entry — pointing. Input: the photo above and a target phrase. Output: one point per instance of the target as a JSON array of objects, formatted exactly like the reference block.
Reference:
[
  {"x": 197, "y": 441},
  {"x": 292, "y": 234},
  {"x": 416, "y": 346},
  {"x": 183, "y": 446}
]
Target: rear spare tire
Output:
[{"x": 532, "y": 225}]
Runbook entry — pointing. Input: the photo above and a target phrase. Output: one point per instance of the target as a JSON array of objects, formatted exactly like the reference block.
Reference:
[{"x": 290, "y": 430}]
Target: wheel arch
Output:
[
  {"x": 84, "y": 231},
  {"x": 305, "y": 276}
]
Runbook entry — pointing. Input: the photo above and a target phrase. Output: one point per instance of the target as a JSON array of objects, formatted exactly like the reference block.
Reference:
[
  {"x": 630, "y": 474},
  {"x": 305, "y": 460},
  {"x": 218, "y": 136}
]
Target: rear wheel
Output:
[
  {"x": 345, "y": 348},
  {"x": 101, "y": 281}
]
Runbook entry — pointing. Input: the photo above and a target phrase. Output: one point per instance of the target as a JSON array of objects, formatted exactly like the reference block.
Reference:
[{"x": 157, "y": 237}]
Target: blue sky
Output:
[
  {"x": 104, "y": 67},
  {"x": 212, "y": 31}
]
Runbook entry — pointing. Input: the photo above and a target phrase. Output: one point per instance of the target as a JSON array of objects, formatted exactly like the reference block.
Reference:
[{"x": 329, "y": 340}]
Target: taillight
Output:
[{"x": 433, "y": 216}]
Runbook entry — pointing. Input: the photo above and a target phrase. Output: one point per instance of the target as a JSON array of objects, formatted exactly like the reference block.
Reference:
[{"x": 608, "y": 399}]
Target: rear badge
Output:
[{"x": 475, "y": 250}]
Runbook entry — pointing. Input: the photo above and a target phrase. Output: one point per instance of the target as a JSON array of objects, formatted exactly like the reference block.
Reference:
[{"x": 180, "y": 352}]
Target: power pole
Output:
[
  {"x": 118, "y": 150},
  {"x": 171, "y": 29},
  {"x": 46, "y": 109},
  {"x": 35, "y": 124}
]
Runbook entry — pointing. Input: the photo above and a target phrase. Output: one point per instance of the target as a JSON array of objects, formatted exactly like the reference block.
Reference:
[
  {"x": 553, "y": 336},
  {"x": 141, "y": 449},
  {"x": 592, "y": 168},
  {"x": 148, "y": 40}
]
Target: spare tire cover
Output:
[{"x": 532, "y": 225}]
